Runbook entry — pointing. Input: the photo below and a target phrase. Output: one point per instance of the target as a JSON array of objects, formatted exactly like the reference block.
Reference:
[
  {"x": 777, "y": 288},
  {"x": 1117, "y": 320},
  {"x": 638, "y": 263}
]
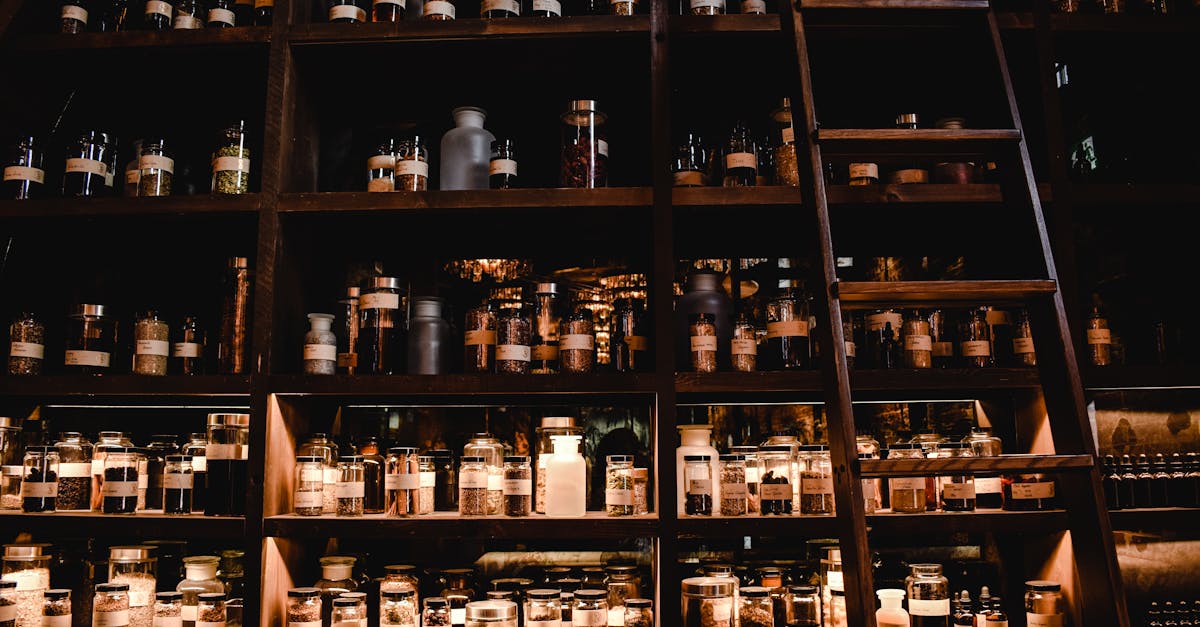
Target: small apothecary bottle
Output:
[
  {"x": 27, "y": 345},
  {"x": 155, "y": 164},
  {"x": 941, "y": 339},
  {"x": 308, "y": 496},
  {"x": 703, "y": 338},
  {"x": 320, "y": 345},
  {"x": 1023, "y": 351},
  {"x": 346, "y": 12},
  {"x": 351, "y": 488},
  {"x": 189, "y": 15},
  {"x": 1099, "y": 339},
  {"x": 221, "y": 15},
  {"x": 412, "y": 159},
  {"x": 918, "y": 343},
  {"x": 744, "y": 347},
  {"x": 697, "y": 482},
  {"x": 690, "y": 166},
  {"x": 39, "y": 479},
  {"x": 517, "y": 487},
  {"x": 618, "y": 485},
  {"x": 479, "y": 339},
  {"x": 975, "y": 340},
  {"x": 630, "y": 345},
  {"x": 577, "y": 342},
  {"x": 381, "y": 166},
  {"x": 502, "y": 168},
  {"x": 151, "y": 345},
  {"x": 402, "y": 483},
  {"x": 741, "y": 158},
  {"x": 90, "y": 339},
  {"x": 547, "y": 319},
  {"x": 187, "y": 354},
  {"x": 584, "y": 145},
  {"x": 513, "y": 353},
  {"x": 74, "y": 15},
  {"x": 388, "y": 10},
  {"x": 178, "y": 483},
  {"x": 87, "y": 167},
  {"x": 24, "y": 177},
  {"x": 472, "y": 486},
  {"x": 381, "y": 325},
  {"x": 231, "y": 160}
]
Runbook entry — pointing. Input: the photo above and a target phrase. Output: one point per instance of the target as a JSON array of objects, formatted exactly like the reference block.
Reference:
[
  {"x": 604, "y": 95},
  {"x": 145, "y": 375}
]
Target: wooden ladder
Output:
[{"x": 1100, "y": 602}]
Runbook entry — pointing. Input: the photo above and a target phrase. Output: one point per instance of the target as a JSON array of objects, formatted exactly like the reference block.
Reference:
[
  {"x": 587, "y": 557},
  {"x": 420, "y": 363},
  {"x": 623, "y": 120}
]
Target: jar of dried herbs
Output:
[
  {"x": 623, "y": 7},
  {"x": 703, "y": 338},
  {"x": 412, "y": 159},
  {"x": 577, "y": 342},
  {"x": 512, "y": 343},
  {"x": 708, "y": 601},
  {"x": 74, "y": 472},
  {"x": 110, "y": 607},
  {"x": 398, "y": 608},
  {"x": 787, "y": 171},
  {"x": 91, "y": 339},
  {"x": 697, "y": 483},
  {"x": 351, "y": 486},
  {"x": 27, "y": 345},
  {"x": 472, "y": 486},
  {"x": 775, "y": 486},
  {"x": 168, "y": 609},
  {"x": 618, "y": 486},
  {"x": 210, "y": 610},
  {"x": 428, "y": 484},
  {"x": 918, "y": 342},
  {"x": 690, "y": 166},
  {"x": 381, "y": 167},
  {"x": 734, "y": 491},
  {"x": 231, "y": 160},
  {"x": 438, "y": 10},
  {"x": 303, "y": 607},
  {"x": 907, "y": 493},
  {"x": 87, "y": 167},
  {"x": 39, "y": 481},
  {"x": 56, "y": 608},
  {"x": 151, "y": 345},
  {"x": 320, "y": 345},
  {"x": 221, "y": 15},
  {"x": 24, "y": 177},
  {"x": 639, "y": 613},
  {"x": 584, "y": 141},
  {"x": 74, "y": 15},
  {"x": 518, "y": 486},
  {"x": 189, "y": 15},
  {"x": 309, "y": 493},
  {"x": 502, "y": 168},
  {"x": 744, "y": 347},
  {"x": 704, "y": 7},
  {"x": 816, "y": 482},
  {"x": 402, "y": 483}
]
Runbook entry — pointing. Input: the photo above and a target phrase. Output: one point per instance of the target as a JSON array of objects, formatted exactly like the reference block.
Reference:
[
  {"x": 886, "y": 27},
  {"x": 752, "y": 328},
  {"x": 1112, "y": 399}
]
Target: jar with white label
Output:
[
  {"x": 690, "y": 165},
  {"x": 988, "y": 491},
  {"x": 86, "y": 171},
  {"x": 928, "y": 594},
  {"x": 221, "y": 14},
  {"x": 74, "y": 472},
  {"x": 1043, "y": 604},
  {"x": 577, "y": 342},
  {"x": 741, "y": 158},
  {"x": 120, "y": 488},
  {"x": 24, "y": 177},
  {"x": 1025, "y": 492},
  {"x": 590, "y": 608},
  {"x": 411, "y": 170},
  {"x": 702, "y": 334},
  {"x": 734, "y": 490},
  {"x": 320, "y": 345},
  {"x": 27, "y": 345},
  {"x": 744, "y": 346},
  {"x": 438, "y": 11},
  {"x": 918, "y": 343},
  {"x": 1099, "y": 339},
  {"x": 74, "y": 14},
  {"x": 543, "y": 608},
  {"x": 309, "y": 492},
  {"x": 786, "y": 166},
  {"x": 502, "y": 167},
  {"x": 618, "y": 485},
  {"x": 187, "y": 352},
  {"x": 387, "y": 10},
  {"x": 158, "y": 14},
  {"x": 135, "y": 567},
  {"x": 864, "y": 174},
  {"x": 472, "y": 486},
  {"x": 110, "y": 607},
  {"x": 708, "y": 601},
  {"x": 702, "y": 7},
  {"x": 39, "y": 481},
  {"x": 975, "y": 340},
  {"x": 697, "y": 483},
  {"x": 513, "y": 352},
  {"x": 787, "y": 346},
  {"x": 941, "y": 336},
  {"x": 231, "y": 160},
  {"x": 876, "y": 324},
  {"x": 490, "y": 448},
  {"x": 381, "y": 327},
  {"x": 381, "y": 167},
  {"x": 584, "y": 145},
  {"x": 957, "y": 491},
  {"x": 178, "y": 482},
  {"x": 907, "y": 493},
  {"x": 351, "y": 489},
  {"x": 776, "y": 470},
  {"x": 816, "y": 482},
  {"x": 152, "y": 347},
  {"x": 402, "y": 482},
  {"x": 189, "y": 15},
  {"x": 168, "y": 609},
  {"x": 1022, "y": 341},
  {"x": 56, "y": 608}
]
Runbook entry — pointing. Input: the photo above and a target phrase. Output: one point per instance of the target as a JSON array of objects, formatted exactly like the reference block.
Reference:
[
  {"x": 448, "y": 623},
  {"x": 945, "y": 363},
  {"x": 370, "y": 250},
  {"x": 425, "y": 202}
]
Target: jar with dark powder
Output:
[
  {"x": 472, "y": 487},
  {"x": 39, "y": 482},
  {"x": 210, "y": 611},
  {"x": 518, "y": 486},
  {"x": 120, "y": 488},
  {"x": 168, "y": 608},
  {"x": 56, "y": 608},
  {"x": 303, "y": 607},
  {"x": 577, "y": 343},
  {"x": 512, "y": 343},
  {"x": 27, "y": 345}
]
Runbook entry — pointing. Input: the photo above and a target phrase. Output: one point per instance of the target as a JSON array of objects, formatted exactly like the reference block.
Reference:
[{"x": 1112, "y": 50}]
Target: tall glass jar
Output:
[
  {"x": 502, "y": 164},
  {"x": 517, "y": 486},
  {"x": 472, "y": 486},
  {"x": 446, "y": 481},
  {"x": 233, "y": 347},
  {"x": 907, "y": 493},
  {"x": 24, "y": 177},
  {"x": 412, "y": 158},
  {"x": 975, "y": 340},
  {"x": 513, "y": 352},
  {"x": 27, "y": 567},
  {"x": 851, "y": 325},
  {"x": 918, "y": 343},
  {"x": 550, "y": 427},
  {"x": 1022, "y": 344},
  {"x": 486, "y": 445},
  {"x": 1043, "y": 604},
  {"x": 74, "y": 472},
  {"x": 988, "y": 489},
  {"x": 187, "y": 353},
  {"x": 777, "y": 463},
  {"x": 351, "y": 490},
  {"x": 348, "y": 332},
  {"x": 374, "y": 470},
  {"x": 479, "y": 339},
  {"x": 941, "y": 335},
  {"x": 928, "y": 594},
  {"x": 27, "y": 345},
  {"x": 120, "y": 487},
  {"x": 734, "y": 493},
  {"x": 428, "y": 484},
  {"x": 577, "y": 342},
  {"x": 690, "y": 166},
  {"x": 197, "y": 448},
  {"x": 753, "y": 470},
  {"x": 398, "y": 608},
  {"x": 630, "y": 341},
  {"x": 403, "y": 482},
  {"x": 381, "y": 165},
  {"x": 231, "y": 161},
  {"x": 618, "y": 485},
  {"x": 87, "y": 167},
  {"x": 228, "y": 455},
  {"x": 787, "y": 171},
  {"x": 816, "y": 482},
  {"x": 381, "y": 328},
  {"x": 702, "y": 335},
  {"x": 155, "y": 165},
  {"x": 590, "y": 608},
  {"x": 178, "y": 481},
  {"x": 584, "y": 146},
  {"x": 697, "y": 480},
  {"x": 319, "y": 445},
  {"x": 136, "y": 567},
  {"x": 744, "y": 346},
  {"x": 547, "y": 316},
  {"x": 957, "y": 491},
  {"x": 151, "y": 345},
  {"x": 39, "y": 481},
  {"x": 741, "y": 158},
  {"x": 623, "y": 583},
  {"x": 90, "y": 340},
  {"x": 708, "y": 601},
  {"x": 787, "y": 346}
]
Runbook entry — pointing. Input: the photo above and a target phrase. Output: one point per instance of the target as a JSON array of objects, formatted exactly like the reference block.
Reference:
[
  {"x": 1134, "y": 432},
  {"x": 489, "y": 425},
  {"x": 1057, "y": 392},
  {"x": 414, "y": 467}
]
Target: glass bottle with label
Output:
[
  {"x": 39, "y": 479},
  {"x": 1022, "y": 341},
  {"x": 351, "y": 489},
  {"x": 227, "y": 464},
  {"x": 577, "y": 342},
  {"x": 988, "y": 491},
  {"x": 381, "y": 328},
  {"x": 546, "y": 320},
  {"x": 876, "y": 322},
  {"x": 1001, "y": 330},
  {"x": 74, "y": 14},
  {"x": 703, "y": 7},
  {"x": 381, "y": 165},
  {"x": 231, "y": 160},
  {"x": 618, "y": 485},
  {"x": 735, "y": 494},
  {"x": 308, "y": 496},
  {"x": 928, "y": 596},
  {"x": 741, "y": 158},
  {"x": 786, "y": 166},
  {"x": 513, "y": 352},
  {"x": 975, "y": 340},
  {"x": 177, "y": 484},
  {"x": 863, "y": 174},
  {"x": 472, "y": 486},
  {"x": 74, "y": 472},
  {"x": 27, "y": 345},
  {"x": 493, "y": 9},
  {"x": 690, "y": 165},
  {"x": 187, "y": 354},
  {"x": 438, "y": 10},
  {"x": 1099, "y": 339},
  {"x": 189, "y": 15},
  {"x": 264, "y": 12},
  {"x": 703, "y": 340},
  {"x": 412, "y": 158},
  {"x": 517, "y": 487},
  {"x": 1025, "y": 492},
  {"x": 151, "y": 345},
  {"x": 120, "y": 487},
  {"x": 502, "y": 168},
  {"x": 591, "y": 608},
  {"x": 90, "y": 339},
  {"x": 584, "y": 160},
  {"x": 816, "y": 482},
  {"x": 744, "y": 346},
  {"x": 479, "y": 339},
  {"x": 776, "y": 471},
  {"x": 221, "y": 14},
  {"x": 787, "y": 345},
  {"x": 907, "y": 493},
  {"x": 158, "y": 15},
  {"x": 320, "y": 345},
  {"x": 346, "y": 12},
  {"x": 24, "y": 177},
  {"x": 1043, "y": 604},
  {"x": 957, "y": 490},
  {"x": 87, "y": 167},
  {"x": 630, "y": 342},
  {"x": 918, "y": 342},
  {"x": 388, "y": 10},
  {"x": 373, "y": 475},
  {"x": 233, "y": 348},
  {"x": 941, "y": 339}
]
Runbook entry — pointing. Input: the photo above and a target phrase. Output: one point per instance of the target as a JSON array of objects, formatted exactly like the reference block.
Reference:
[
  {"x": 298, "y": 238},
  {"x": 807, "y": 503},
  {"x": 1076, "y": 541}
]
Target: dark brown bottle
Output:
[
  {"x": 373, "y": 472},
  {"x": 1177, "y": 486},
  {"x": 1141, "y": 487},
  {"x": 233, "y": 351},
  {"x": 1111, "y": 481},
  {"x": 1128, "y": 485},
  {"x": 975, "y": 341},
  {"x": 889, "y": 349},
  {"x": 1160, "y": 481},
  {"x": 630, "y": 344}
]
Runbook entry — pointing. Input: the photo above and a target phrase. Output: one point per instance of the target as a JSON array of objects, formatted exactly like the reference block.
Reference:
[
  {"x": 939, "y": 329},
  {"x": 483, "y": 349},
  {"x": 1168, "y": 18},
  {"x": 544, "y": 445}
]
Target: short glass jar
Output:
[
  {"x": 231, "y": 159},
  {"x": 708, "y": 601},
  {"x": 56, "y": 608},
  {"x": 734, "y": 491},
  {"x": 755, "y": 607},
  {"x": 702, "y": 336},
  {"x": 584, "y": 140},
  {"x": 1043, "y": 603},
  {"x": 864, "y": 174},
  {"x": 502, "y": 167},
  {"x": 110, "y": 606},
  {"x": 690, "y": 166},
  {"x": 618, "y": 485},
  {"x": 178, "y": 483},
  {"x": 308, "y": 495},
  {"x": 152, "y": 347},
  {"x": 381, "y": 166},
  {"x": 957, "y": 491},
  {"x": 402, "y": 482},
  {"x": 398, "y": 608},
  {"x": 907, "y": 493},
  {"x": 91, "y": 339},
  {"x": 491, "y": 613},
  {"x": 577, "y": 342},
  {"x": 155, "y": 164},
  {"x": 543, "y": 608},
  {"x": 412, "y": 158},
  {"x": 517, "y": 489},
  {"x": 304, "y": 607},
  {"x": 346, "y": 611},
  {"x": 39, "y": 480},
  {"x": 210, "y": 609},
  {"x": 804, "y": 606},
  {"x": 351, "y": 486},
  {"x": 639, "y": 613},
  {"x": 435, "y": 612},
  {"x": 590, "y": 608},
  {"x": 928, "y": 592},
  {"x": 918, "y": 343},
  {"x": 120, "y": 488},
  {"x": 776, "y": 463},
  {"x": 472, "y": 486},
  {"x": 1026, "y": 492}
]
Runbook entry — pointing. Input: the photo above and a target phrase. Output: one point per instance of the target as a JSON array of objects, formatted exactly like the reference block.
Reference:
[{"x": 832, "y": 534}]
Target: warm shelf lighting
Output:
[{"x": 497, "y": 270}]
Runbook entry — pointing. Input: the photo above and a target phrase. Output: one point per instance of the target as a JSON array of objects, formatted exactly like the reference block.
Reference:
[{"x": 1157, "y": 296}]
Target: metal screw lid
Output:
[
  {"x": 620, "y": 459},
  {"x": 472, "y": 459},
  {"x": 708, "y": 586},
  {"x": 558, "y": 422},
  {"x": 754, "y": 591},
  {"x": 87, "y": 309},
  {"x": 136, "y": 553},
  {"x": 229, "y": 420},
  {"x": 398, "y": 595},
  {"x": 350, "y": 458},
  {"x": 639, "y": 603},
  {"x": 493, "y": 609},
  {"x": 212, "y": 597},
  {"x": 55, "y": 595},
  {"x": 547, "y": 288},
  {"x": 384, "y": 283},
  {"x": 543, "y": 594},
  {"x": 173, "y": 596},
  {"x": 591, "y": 595},
  {"x": 309, "y": 459},
  {"x": 697, "y": 458},
  {"x": 907, "y": 119}
]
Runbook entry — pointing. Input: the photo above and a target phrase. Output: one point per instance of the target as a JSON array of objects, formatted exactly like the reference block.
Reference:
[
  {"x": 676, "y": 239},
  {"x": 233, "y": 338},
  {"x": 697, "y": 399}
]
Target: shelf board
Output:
[
  {"x": 143, "y": 525},
  {"x": 964, "y": 465},
  {"x": 908, "y": 5},
  {"x": 979, "y": 521},
  {"x": 416, "y": 202},
  {"x": 69, "y": 386},
  {"x": 755, "y": 525},
  {"x": 595, "y": 525},
  {"x": 462, "y": 385},
  {"x": 606, "y": 26},
  {"x": 734, "y": 23},
  {"x": 922, "y": 141},
  {"x": 865, "y": 294},
  {"x": 168, "y": 205},
  {"x": 1124, "y": 23},
  {"x": 775, "y": 195},
  {"x": 1140, "y": 377},
  {"x": 860, "y": 380},
  {"x": 1155, "y": 518},
  {"x": 159, "y": 40},
  {"x": 1138, "y": 194}
]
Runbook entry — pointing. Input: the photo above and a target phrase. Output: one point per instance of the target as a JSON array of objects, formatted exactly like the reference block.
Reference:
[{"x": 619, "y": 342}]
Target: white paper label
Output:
[
  {"x": 199, "y": 463},
  {"x": 589, "y": 618},
  {"x": 421, "y": 168},
  {"x": 775, "y": 492},
  {"x": 224, "y": 16},
  {"x": 943, "y": 349},
  {"x": 700, "y": 487},
  {"x": 189, "y": 612},
  {"x": 878, "y": 321},
  {"x": 788, "y": 135},
  {"x": 1023, "y": 345},
  {"x": 576, "y": 341},
  {"x": 1099, "y": 336},
  {"x": 835, "y": 580},
  {"x": 87, "y": 358},
  {"x": 752, "y": 474},
  {"x": 186, "y": 349},
  {"x": 8, "y": 612},
  {"x": 329, "y": 476},
  {"x": 958, "y": 491},
  {"x": 74, "y": 470},
  {"x": 204, "y": 623},
  {"x": 152, "y": 347},
  {"x": 701, "y": 4},
  {"x": 187, "y": 22},
  {"x": 618, "y": 497},
  {"x": 602, "y": 147},
  {"x": 402, "y": 481},
  {"x": 143, "y": 481},
  {"x": 976, "y": 348},
  {"x": 689, "y": 178},
  {"x": 904, "y": 484},
  {"x": 741, "y": 160},
  {"x": 124, "y": 489},
  {"x": 478, "y": 337},
  {"x": 704, "y": 343},
  {"x": 307, "y": 498},
  {"x": 347, "y": 12},
  {"x": 161, "y": 8},
  {"x": 27, "y": 349},
  {"x": 787, "y": 328},
  {"x": 97, "y": 466},
  {"x": 918, "y": 343},
  {"x": 157, "y": 162},
  {"x": 381, "y": 162},
  {"x": 110, "y": 619},
  {"x": 502, "y": 5},
  {"x": 513, "y": 352},
  {"x": 722, "y": 610},
  {"x": 24, "y": 173},
  {"x": 89, "y": 166},
  {"x": 554, "y": 7},
  {"x": 495, "y": 482},
  {"x": 226, "y": 451},
  {"x": 320, "y": 352},
  {"x": 851, "y": 349},
  {"x": 351, "y": 490},
  {"x": 311, "y": 623},
  {"x": 1040, "y": 490},
  {"x": 919, "y": 607},
  {"x": 458, "y": 615},
  {"x": 502, "y": 166},
  {"x": 311, "y": 475},
  {"x": 734, "y": 491},
  {"x": 428, "y": 479},
  {"x": 39, "y": 489},
  {"x": 474, "y": 480},
  {"x": 864, "y": 170},
  {"x": 229, "y": 164},
  {"x": 814, "y": 485},
  {"x": 1043, "y": 620},
  {"x": 178, "y": 481},
  {"x": 987, "y": 485},
  {"x": 517, "y": 487},
  {"x": 57, "y": 621},
  {"x": 72, "y": 12},
  {"x": 744, "y": 347},
  {"x": 379, "y": 300},
  {"x": 440, "y": 7}
]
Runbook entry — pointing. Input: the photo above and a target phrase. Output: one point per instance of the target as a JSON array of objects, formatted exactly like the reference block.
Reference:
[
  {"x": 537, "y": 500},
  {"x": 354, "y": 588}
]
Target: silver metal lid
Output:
[
  {"x": 353, "y": 291},
  {"x": 428, "y": 306},
  {"x": 229, "y": 420},
  {"x": 8, "y": 422},
  {"x": 125, "y": 554},
  {"x": 582, "y": 105},
  {"x": 558, "y": 422},
  {"x": 708, "y": 586},
  {"x": 547, "y": 288},
  {"x": 385, "y": 283},
  {"x": 85, "y": 309},
  {"x": 908, "y": 118},
  {"x": 955, "y": 123},
  {"x": 492, "y": 609},
  {"x": 239, "y": 263},
  {"x": 24, "y": 550}
]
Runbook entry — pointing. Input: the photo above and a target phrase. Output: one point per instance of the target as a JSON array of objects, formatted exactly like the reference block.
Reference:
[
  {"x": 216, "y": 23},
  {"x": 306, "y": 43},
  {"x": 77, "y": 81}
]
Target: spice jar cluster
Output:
[
  {"x": 109, "y": 16},
  {"x": 202, "y": 473}
]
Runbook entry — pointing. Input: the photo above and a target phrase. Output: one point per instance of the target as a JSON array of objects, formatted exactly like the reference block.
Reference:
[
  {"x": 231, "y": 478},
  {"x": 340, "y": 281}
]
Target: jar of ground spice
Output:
[
  {"x": 56, "y": 608},
  {"x": 472, "y": 487},
  {"x": 152, "y": 347},
  {"x": 120, "y": 488},
  {"x": 412, "y": 158},
  {"x": 512, "y": 343},
  {"x": 168, "y": 609},
  {"x": 702, "y": 332},
  {"x": 74, "y": 472},
  {"x": 381, "y": 166},
  {"x": 155, "y": 163},
  {"x": 577, "y": 343},
  {"x": 27, "y": 345},
  {"x": 231, "y": 160},
  {"x": 210, "y": 611},
  {"x": 584, "y": 142},
  {"x": 518, "y": 486},
  {"x": 110, "y": 607},
  {"x": 351, "y": 488},
  {"x": 303, "y": 607}
]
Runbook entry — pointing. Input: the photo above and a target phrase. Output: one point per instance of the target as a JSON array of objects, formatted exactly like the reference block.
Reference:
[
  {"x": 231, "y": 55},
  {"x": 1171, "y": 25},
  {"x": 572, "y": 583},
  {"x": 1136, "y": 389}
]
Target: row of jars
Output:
[
  {"x": 106, "y": 16},
  {"x": 206, "y": 474},
  {"x": 360, "y": 11},
  {"x": 605, "y": 596},
  {"x": 91, "y": 167},
  {"x": 91, "y": 338},
  {"x": 402, "y": 165}
]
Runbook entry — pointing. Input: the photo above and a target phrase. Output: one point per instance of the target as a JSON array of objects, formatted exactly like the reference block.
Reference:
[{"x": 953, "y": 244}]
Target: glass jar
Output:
[
  {"x": 151, "y": 345},
  {"x": 120, "y": 486},
  {"x": 741, "y": 153},
  {"x": 734, "y": 493},
  {"x": 24, "y": 177},
  {"x": 863, "y": 174},
  {"x": 546, "y": 321},
  {"x": 702, "y": 334},
  {"x": 787, "y": 171},
  {"x": 228, "y": 464},
  {"x": 787, "y": 346},
  {"x": 210, "y": 609},
  {"x": 446, "y": 481},
  {"x": 320, "y": 345},
  {"x": 907, "y": 493},
  {"x": 197, "y": 448},
  {"x": 319, "y": 445},
  {"x": 156, "y": 452},
  {"x": 918, "y": 343},
  {"x": 975, "y": 340},
  {"x": 403, "y": 482},
  {"x": 755, "y": 608},
  {"x": 1022, "y": 344},
  {"x": 1043, "y": 603},
  {"x": 550, "y": 426},
  {"x": 86, "y": 172},
  {"x": 221, "y": 15},
  {"x": 697, "y": 479},
  {"x": 107, "y": 441},
  {"x": 374, "y": 471},
  {"x": 1025, "y": 492},
  {"x": 143, "y": 468},
  {"x": 110, "y": 606},
  {"x": 708, "y": 601},
  {"x": 584, "y": 145},
  {"x": 27, "y": 345},
  {"x": 622, "y": 7},
  {"x": 518, "y": 486},
  {"x": 348, "y": 332},
  {"x": 39, "y": 481},
  {"x": 639, "y": 613},
  {"x": 957, "y": 490},
  {"x": 804, "y": 607},
  {"x": 577, "y": 342},
  {"x": 381, "y": 166},
  {"x": 402, "y": 578},
  {"x": 155, "y": 165},
  {"x": 623, "y": 583},
  {"x": 412, "y": 159},
  {"x": 435, "y": 612},
  {"x": 233, "y": 345},
  {"x": 851, "y": 325},
  {"x": 381, "y": 328},
  {"x": 303, "y": 607},
  {"x": 472, "y": 486},
  {"x": 750, "y": 454},
  {"x": 231, "y": 159},
  {"x": 337, "y": 578},
  {"x": 479, "y": 339},
  {"x": 502, "y": 166},
  {"x": 816, "y": 482},
  {"x": 189, "y": 15},
  {"x": 988, "y": 490},
  {"x": 1099, "y": 339},
  {"x": 542, "y": 608},
  {"x": 690, "y": 166},
  {"x": 56, "y": 608},
  {"x": 428, "y": 484},
  {"x": 928, "y": 593},
  {"x": 90, "y": 339},
  {"x": 744, "y": 349},
  {"x": 777, "y": 469},
  {"x": 398, "y": 608},
  {"x": 74, "y": 15},
  {"x": 177, "y": 484},
  {"x": 135, "y": 567},
  {"x": 618, "y": 486},
  {"x": 941, "y": 335},
  {"x": 74, "y": 472},
  {"x": 883, "y": 329},
  {"x": 590, "y": 608},
  {"x": 486, "y": 445},
  {"x": 351, "y": 489},
  {"x": 346, "y": 611},
  {"x": 491, "y": 613},
  {"x": 630, "y": 344},
  {"x": 641, "y": 484},
  {"x": 29, "y": 569},
  {"x": 513, "y": 353},
  {"x": 168, "y": 609}
]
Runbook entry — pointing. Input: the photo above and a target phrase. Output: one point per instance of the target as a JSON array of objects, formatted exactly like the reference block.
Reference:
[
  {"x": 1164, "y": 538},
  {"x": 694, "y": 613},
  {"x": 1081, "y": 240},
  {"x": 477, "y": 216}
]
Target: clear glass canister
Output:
[
  {"x": 227, "y": 462},
  {"x": 777, "y": 465},
  {"x": 39, "y": 480},
  {"x": 734, "y": 491},
  {"x": 816, "y": 482},
  {"x": 918, "y": 343},
  {"x": 702, "y": 336},
  {"x": 577, "y": 342},
  {"x": 319, "y": 445},
  {"x": 308, "y": 495},
  {"x": 110, "y": 606},
  {"x": 542, "y": 608},
  {"x": 750, "y": 453},
  {"x": 479, "y": 339},
  {"x": 513, "y": 352},
  {"x": 74, "y": 472},
  {"x": 787, "y": 345},
  {"x": 398, "y": 608},
  {"x": 755, "y": 608},
  {"x": 29, "y": 569},
  {"x": 402, "y": 578},
  {"x": 547, "y": 318},
  {"x": 120, "y": 487},
  {"x": 928, "y": 592},
  {"x": 304, "y": 607},
  {"x": 155, "y": 164},
  {"x": 381, "y": 166},
  {"x": 152, "y": 347},
  {"x": 618, "y": 485},
  {"x": 804, "y": 607},
  {"x": 638, "y": 613},
  {"x": 989, "y": 491},
  {"x": 86, "y": 171},
  {"x": 90, "y": 340},
  {"x": 381, "y": 328},
  {"x": 957, "y": 492},
  {"x": 486, "y": 445},
  {"x": 590, "y": 608},
  {"x": 403, "y": 482},
  {"x": 346, "y": 613},
  {"x": 351, "y": 489},
  {"x": 412, "y": 159},
  {"x": 1043, "y": 604},
  {"x": 584, "y": 146},
  {"x": 210, "y": 609},
  {"x": 428, "y": 484},
  {"x": 168, "y": 609},
  {"x": 231, "y": 161},
  {"x": 975, "y": 340},
  {"x": 136, "y": 567},
  {"x": 641, "y": 491},
  {"x": 622, "y": 582},
  {"x": 787, "y": 171},
  {"x": 435, "y": 612},
  {"x": 472, "y": 486},
  {"x": 518, "y": 486},
  {"x": 907, "y": 493},
  {"x": 24, "y": 177},
  {"x": 630, "y": 343},
  {"x": 690, "y": 167},
  {"x": 27, "y": 345},
  {"x": 744, "y": 349},
  {"x": 56, "y": 608},
  {"x": 697, "y": 481},
  {"x": 708, "y": 601},
  {"x": 491, "y": 613}
]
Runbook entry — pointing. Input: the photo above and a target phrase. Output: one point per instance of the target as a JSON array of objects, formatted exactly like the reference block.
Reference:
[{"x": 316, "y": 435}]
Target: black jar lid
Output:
[
  {"x": 438, "y": 602},
  {"x": 173, "y": 595},
  {"x": 733, "y": 458},
  {"x": 112, "y": 587},
  {"x": 620, "y": 459},
  {"x": 516, "y": 459},
  {"x": 309, "y": 459},
  {"x": 350, "y": 458},
  {"x": 294, "y": 593},
  {"x": 639, "y": 603},
  {"x": 591, "y": 594},
  {"x": 697, "y": 458},
  {"x": 543, "y": 594},
  {"x": 472, "y": 459},
  {"x": 179, "y": 458},
  {"x": 402, "y": 450},
  {"x": 212, "y": 597},
  {"x": 56, "y": 595}
]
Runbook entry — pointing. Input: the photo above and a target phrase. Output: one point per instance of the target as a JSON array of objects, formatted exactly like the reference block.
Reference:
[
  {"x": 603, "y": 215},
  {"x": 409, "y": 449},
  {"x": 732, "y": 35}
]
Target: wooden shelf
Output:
[
  {"x": 927, "y": 193},
  {"x": 941, "y": 293},
  {"x": 159, "y": 40},
  {"x": 766, "y": 25},
  {"x": 1135, "y": 194},
  {"x": 965, "y": 379},
  {"x": 929, "y": 141},
  {"x": 966, "y": 465},
  {"x": 883, "y": 524},
  {"x": 754, "y": 525},
  {"x": 1140, "y": 377},
  {"x": 1155, "y": 519},
  {"x": 601, "y": 26},
  {"x": 68, "y": 386},
  {"x": 463, "y": 385},
  {"x": 1083, "y": 23},
  {"x": 167, "y": 205},
  {"x": 596, "y": 525},
  {"x": 141, "y": 525},
  {"x": 909, "y": 5},
  {"x": 399, "y": 202}
]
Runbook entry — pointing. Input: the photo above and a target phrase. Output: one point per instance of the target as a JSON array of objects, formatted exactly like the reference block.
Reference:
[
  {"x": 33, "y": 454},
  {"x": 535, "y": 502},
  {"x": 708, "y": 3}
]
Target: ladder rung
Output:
[
  {"x": 931, "y": 5},
  {"x": 934, "y": 141},
  {"x": 941, "y": 293},
  {"x": 1003, "y": 463}
]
